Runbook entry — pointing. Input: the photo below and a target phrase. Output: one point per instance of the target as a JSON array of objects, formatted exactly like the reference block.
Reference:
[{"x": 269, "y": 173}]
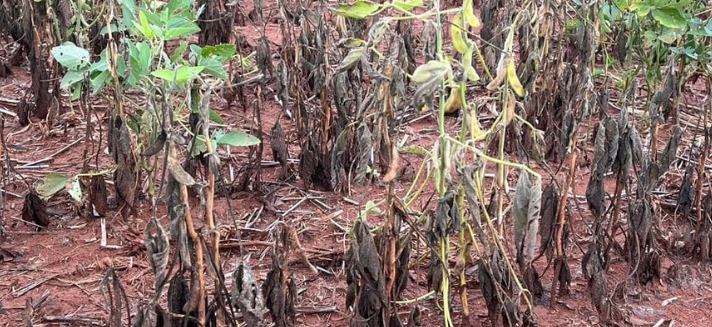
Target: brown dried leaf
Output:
[
  {"x": 34, "y": 210},
  {"x": 392, "y": 166},
  {"x": 247, "y": 296},
  {"x": 525, "y": 212},
  {"x": 176, "y": 169},
  {"x": 549, "y": 203},
  {"x": 157, "y": 246},
  {"x": 115, "y": 297},
  {"x": 178, "y": 293},
  {"x": 98, "y": 196},
  {"x": 156, "y": 146}
]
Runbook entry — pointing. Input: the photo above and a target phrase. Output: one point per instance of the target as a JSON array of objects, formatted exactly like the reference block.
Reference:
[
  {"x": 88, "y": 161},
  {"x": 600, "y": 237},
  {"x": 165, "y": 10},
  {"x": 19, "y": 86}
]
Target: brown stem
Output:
[
  {"x": 701, "y": 168},
  {"x": 210, "y": 200},
  {"x": 613, "y": 221},
  {"x": 197, "y": 244},
  {"x": 561, "y": 221}
]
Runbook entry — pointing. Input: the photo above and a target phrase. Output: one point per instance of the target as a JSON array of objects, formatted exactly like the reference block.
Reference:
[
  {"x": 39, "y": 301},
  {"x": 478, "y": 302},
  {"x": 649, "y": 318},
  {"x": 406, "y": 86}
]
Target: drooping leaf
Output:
[
  {"x": 351, "y": 59},
  {"x": 156, "y": 146},
  {"x": 182, "y": 74},
  {"x": 359, "y": 9},
  {"x": 179, "y": 26},
  {"x": 514, "y": 82},
  {"x": 467, "y": 64},
  {"x": 75, "y": 190},
  {"x": 70, "y": 78},
  {"x": 669, "y": 17},
  {"x": 431, "y": 71},
  {"x": 223, "y": 51},
  {"x": 247, "y": 296},
  {"x": 71, "y": 56},
  {"x": 52, "y": 183},
  {"x": 176, "y": 169},
  {"x": 525, "y": 212},
  {"x": 34, "y": 210},
  {"x": 156, "y": 241},
  {"x": 428, "y": 78},
  {"x": 458, "y": 36},
  {"x": 214, "y": 67},
  {"x": 407, "y": 5},
  {"x": 470, "y": 14},
  {"x": 237, "y": 138}
]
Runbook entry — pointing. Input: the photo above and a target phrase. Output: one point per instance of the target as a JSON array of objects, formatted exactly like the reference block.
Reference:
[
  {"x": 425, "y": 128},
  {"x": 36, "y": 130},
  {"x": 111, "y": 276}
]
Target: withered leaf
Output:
[
  {"x": 178, "y": 293},
  {"x": 115, "y": 297},
  {"x": 247, "y": 296},
  {"x": 414, "y": 318},
  {"x": 365, "y": 152},
  {"x": 549, "y": 203},
  {"x": 34, "y": 210},
  {"x": 525, "y": 212},
  {"x": 157, "y": 246},
  {"x": 670, "y": 150},
  {"x": 278, "y": 144},
  {"x": 176, "y": 169},
  {"x": 402, "y": 266},
  {"x": 264, "y": 57},
  {"x": 98, "y": 196},
  {"x": 156, "y": 146}
]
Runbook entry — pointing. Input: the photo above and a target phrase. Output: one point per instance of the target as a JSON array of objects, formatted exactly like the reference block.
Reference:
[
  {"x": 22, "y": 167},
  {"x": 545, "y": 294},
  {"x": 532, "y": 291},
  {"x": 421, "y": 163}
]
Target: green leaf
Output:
[
  {"x": 52, "y": 183},
  {"x": 143, "y": 26},
  {"x": 139, "y": 61},
  {"x": 128, "y": 4},
  {"x": 71, "y": 77},
  {"x": 75, "y": 190},
  {"x": 114, "y": 29},
  {"x": 351, "y": 59},
  {"x": 407, "y": 5},
  {"x": 179, "y": 27},
  {"x": 198, "y": 145},
  {"x": 178, "y": 51},
  {"x": 359, "y": 9},
  {"x": 414, "y": 149},
  {"x": 98, "y": 81},
  {"x": 179, "y": 5},
  {"x": 182, "y": 74},
  {"x": 224, "y": 51},
  {"x": 214, "y": 116},
  {"x": 669, "y": 35},
  {"x": 640, "y": 8},
  {"x": 669, "y": 17},
  {"x": 213, "y": 66},
  {"x": 71, "y": 56},
  {"x": 237, "y": 138}
]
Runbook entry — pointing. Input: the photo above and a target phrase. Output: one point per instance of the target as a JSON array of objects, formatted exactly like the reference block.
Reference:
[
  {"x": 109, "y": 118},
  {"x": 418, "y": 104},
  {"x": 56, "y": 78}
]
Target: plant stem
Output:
[{"x": 197, "y": 244}]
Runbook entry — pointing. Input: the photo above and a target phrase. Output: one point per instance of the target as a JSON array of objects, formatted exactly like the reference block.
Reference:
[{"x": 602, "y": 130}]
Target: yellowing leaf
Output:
[
  {"x": 453, "y": 101},
  {"x": 432, "y": 71},
  {"x": 509, "y": 109},
  {"x": 359, "y": 9},
  {"x": 474, "y": 124},
  {"x": 514, "y": 82},
  {"x": 407, "y": 5},
  {"x": 470, "y": 14},
  {"x": 392, "y": 166},
  {"x": 467, "y": 64},
  {"x": 457, "y": 34},
  {"x": 498, "y": 79}
]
